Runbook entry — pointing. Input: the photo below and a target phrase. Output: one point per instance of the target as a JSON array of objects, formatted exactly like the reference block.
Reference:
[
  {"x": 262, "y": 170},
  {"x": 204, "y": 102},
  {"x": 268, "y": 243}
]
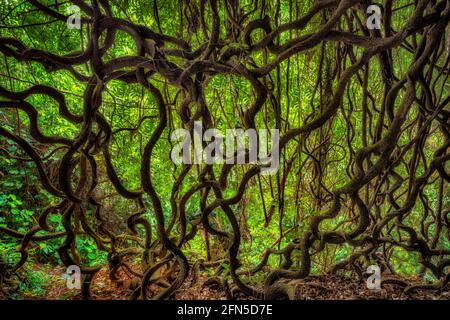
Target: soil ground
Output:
[{"x": 312, "y": 288}]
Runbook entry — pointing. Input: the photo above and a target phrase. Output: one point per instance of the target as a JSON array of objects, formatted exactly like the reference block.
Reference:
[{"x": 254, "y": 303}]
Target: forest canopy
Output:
[{"x": 355, "y": 92}]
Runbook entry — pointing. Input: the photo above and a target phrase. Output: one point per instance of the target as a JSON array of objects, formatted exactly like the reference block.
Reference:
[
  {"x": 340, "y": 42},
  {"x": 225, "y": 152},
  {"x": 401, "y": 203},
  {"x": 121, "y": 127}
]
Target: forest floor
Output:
[{"x": 312, "y": 288}]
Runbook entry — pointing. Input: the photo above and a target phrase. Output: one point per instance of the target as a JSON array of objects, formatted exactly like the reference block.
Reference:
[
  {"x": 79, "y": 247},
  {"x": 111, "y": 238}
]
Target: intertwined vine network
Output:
[{"x": 352, "y": 97}]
